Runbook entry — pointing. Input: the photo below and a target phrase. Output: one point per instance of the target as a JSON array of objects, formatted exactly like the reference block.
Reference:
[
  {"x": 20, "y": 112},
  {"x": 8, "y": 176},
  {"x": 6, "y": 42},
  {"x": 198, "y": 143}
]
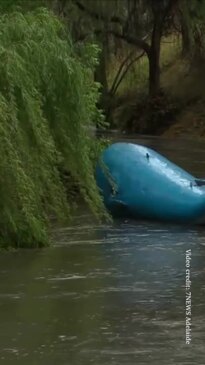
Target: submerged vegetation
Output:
[{"x": 47, "y": 103}]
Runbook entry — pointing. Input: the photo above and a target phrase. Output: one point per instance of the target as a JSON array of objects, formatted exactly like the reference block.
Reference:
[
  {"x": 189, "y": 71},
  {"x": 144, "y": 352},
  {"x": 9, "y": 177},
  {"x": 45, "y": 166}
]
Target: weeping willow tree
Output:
[{"x": 47, "y": 102}]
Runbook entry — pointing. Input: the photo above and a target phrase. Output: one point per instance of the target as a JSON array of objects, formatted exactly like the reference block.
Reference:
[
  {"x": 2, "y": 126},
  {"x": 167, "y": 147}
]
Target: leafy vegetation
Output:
[{"x": 47, "y": 103}]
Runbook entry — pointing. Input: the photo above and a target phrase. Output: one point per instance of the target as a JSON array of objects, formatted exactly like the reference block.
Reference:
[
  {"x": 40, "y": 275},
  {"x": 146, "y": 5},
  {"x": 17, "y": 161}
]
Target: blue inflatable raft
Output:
[{"x": 137, "y": 181}]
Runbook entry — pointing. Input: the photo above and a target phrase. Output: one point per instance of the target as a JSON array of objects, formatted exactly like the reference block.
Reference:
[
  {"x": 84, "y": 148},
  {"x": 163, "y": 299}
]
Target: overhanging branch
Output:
[
  {"x": 140, "y": 43},
  {"x": 96, "y": 15}
]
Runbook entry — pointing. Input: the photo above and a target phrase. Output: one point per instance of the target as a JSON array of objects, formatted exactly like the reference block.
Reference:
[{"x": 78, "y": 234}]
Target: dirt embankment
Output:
[{"x": 186, "y": 85}]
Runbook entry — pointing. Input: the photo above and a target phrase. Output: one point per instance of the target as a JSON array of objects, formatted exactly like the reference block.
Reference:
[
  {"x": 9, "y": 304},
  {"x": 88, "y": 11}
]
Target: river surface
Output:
[{"x": 107, "y": 294}]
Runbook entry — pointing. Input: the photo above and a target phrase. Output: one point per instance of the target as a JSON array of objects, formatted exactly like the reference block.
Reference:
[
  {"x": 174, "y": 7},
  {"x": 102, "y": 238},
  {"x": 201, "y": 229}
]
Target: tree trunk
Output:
[
  {"x": 154, "y": 58},
  {"x": 186, "y": 29},
  {"x": 186, "y": 38},
  {"x": 154, "y": 72}
]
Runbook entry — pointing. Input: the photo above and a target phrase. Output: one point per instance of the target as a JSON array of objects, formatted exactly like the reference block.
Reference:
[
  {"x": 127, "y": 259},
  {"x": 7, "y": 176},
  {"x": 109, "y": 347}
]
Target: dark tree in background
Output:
[{"x": 138, "y": 23}]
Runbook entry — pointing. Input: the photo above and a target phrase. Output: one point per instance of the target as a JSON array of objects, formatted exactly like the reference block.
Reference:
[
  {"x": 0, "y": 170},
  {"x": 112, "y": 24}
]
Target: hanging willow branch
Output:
[{"x": 47, "y": 103}]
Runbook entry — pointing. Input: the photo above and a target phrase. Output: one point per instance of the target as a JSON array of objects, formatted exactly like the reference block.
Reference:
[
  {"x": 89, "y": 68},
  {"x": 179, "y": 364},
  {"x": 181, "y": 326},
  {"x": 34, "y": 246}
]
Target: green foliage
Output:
[
  {"x": 24, "y": 5},
  {"x": 47, "y": 103}
]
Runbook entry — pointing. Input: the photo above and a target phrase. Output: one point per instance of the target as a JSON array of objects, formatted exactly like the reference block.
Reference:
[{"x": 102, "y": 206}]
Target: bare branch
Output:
[
  {"x": 118, "y": 82},
  {"x": 97, "y": 16},
  {"x": 117, "y": 76},
  {"x": 140, "y": 43}
]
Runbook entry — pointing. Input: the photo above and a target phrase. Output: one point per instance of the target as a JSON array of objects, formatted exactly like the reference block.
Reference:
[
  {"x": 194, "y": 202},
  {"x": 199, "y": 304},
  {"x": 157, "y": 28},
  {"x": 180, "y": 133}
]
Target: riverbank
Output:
[
  {"x": 186, "y": 84},
  {"x": 179, "y": 111}
]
